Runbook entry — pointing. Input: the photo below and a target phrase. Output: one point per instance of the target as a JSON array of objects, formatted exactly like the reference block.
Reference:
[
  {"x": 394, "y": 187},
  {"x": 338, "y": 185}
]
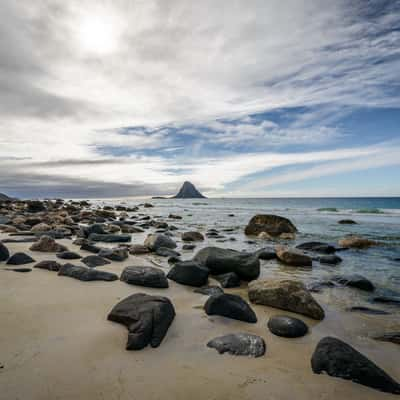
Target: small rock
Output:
[
  {"x": 110, "y": 238},
  {"x": 95, "y": 261},
  {"x": 239, "y": 344},
  {"x": 192, "y": 236},
  {"x": 145, "y": 276},
  {"x": 166, "y": 252},
  {"x": 266, "y": 254},
  {"x": 317, "y": 247},
  {"x": 155, "y": 241},
  {"x": 331, "y": 259},
  {"x": 50, "y": 265},
  {"x": 282, "y": 325},
  {"x": 354, "y": 280},
  {"x": 188, "y": 246},
  {"x": 20, "y": 259},
  {"x": 4, "y": 253},
  {"x": 91, "y": 248},
  {"x": 19, "y": 269},
  {"x": 48, "y": 244},
  {"x": 209, "y": 290},
  {"x": 367, "y": 310},
  {"x": 115, "y": 254},
  {"x": 393, "y": 337},
  {"x": 357, "y": 242},
  {"x": 347, "y": 222},
  {"x": 68, "y": 255},
  {"x": 86, "y": 274},
  {"x": 189, "y": 273},
  {"x": 292, "y": 256}
]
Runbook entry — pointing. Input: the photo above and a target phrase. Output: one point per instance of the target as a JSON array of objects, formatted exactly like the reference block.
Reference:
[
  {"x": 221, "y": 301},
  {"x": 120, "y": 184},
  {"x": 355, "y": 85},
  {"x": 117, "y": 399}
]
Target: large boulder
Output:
[
  {"x": 146, "y": 317},
  {"x": 239, "y": 344},
  {"x": 192, "y": 236},
  {"x": 48, "y": 244},
  {"x": 230, "y": 306},
  {"x": 20, "y": 259},
  {"x": 145, "y": 276},
  {"x": 220, "y": 261},
  {"x": 287, "y": 295},
  {"x": 272, "y": 225},
  {"x": 157, "y": 240},
  {"x": 285, "y": 326},
  {"x": 292, "y": 256},
  {"x": 86, "y": 274},
  {"x": 357, "y": 242},
  {"x": 189, "y": 273},
  {"x": 4, "y": 253},
  {"x": 339, "y": 359}
]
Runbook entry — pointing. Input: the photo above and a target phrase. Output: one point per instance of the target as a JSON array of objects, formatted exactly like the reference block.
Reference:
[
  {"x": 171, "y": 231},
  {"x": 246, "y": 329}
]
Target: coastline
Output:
[{"x": 56, "y": 343}]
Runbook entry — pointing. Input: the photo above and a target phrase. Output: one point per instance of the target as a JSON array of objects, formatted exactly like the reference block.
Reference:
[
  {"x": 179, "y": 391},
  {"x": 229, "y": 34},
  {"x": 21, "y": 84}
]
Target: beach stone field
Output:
[{"x": 122, "y": 302}]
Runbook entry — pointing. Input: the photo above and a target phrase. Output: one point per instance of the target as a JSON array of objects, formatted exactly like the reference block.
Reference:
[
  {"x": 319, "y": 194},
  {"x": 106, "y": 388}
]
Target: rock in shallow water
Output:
[
  {"x": 357, "y": 242},
  {"x": 146, "y": 317},
  {"x": 189, "y": 273},
  {"x": 239, "y": 344},
  {"x": 20, "y": 259},
  {"x": 330, "y": 259},
  {"x": 230, "y": 306},
  {"x": 393, "y": 337},
  {"x": 86, "y": 274},
  {"x": 339, "y": 359},
  {"x": 317, "y": 247},
  {"x": 289, "y": 327},
  {"x": 286, "y": 294},
  {"x": 355, "y": 280},
  {"x": 272, "y": 225},
  {"x": 220, "y": 261},
  {"x": 292, "y": 256},
  {"x": 145, "y": 276}
]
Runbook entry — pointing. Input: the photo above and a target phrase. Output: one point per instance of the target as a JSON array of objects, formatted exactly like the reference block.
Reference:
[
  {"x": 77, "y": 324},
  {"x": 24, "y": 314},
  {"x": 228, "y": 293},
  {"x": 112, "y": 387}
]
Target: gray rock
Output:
[
  {"x": 50, "y": 265},
  {"x": 145, "y": 276},
  {"x": 209, "y": 290},
  {"x": 155, "y": 241},
  {"x": 289, "y": 327},
  {"x": 110, "y": 238},
  {"x": 354, "y": 280},
  {"x": 189, "y": 273},
  {"x": 91, "y": 248},
  {"x": 115, "y": 254},
  {"x": 68, "y": 255},
  {"x": 95, "y": 261},
  {"x": 19, "y": 269},
  {"x": 239, "y": 344},
  {"x": 86, "y": 274}
]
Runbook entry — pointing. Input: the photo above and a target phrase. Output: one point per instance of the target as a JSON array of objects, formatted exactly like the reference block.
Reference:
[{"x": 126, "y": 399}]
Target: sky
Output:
[{"x": 242, "y": 98}]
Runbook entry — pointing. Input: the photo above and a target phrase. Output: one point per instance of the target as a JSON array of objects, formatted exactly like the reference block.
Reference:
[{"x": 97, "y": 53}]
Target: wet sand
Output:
[{"x": 56, "y": 343}]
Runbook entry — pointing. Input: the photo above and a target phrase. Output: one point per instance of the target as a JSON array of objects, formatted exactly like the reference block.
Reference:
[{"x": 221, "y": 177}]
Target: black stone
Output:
[
  {"x": 394, "y": 300},
  {"x": 19, "y": 269},
  {"x": 317, "y": 247},
  {"x": 145, "y": 276},
  {"x": 4, "y": 253},
  {"x": 355, "y": 280},
  {"x": 266, "y": 254},
  {"x": 331, "y": 259},
  {"x": 68, "y": 255},
  {"x": 283, "y": 325},
  {"x": 50, "y": 265},
  {"x": 230, "y": 306},
  {"x": 146, "y": 317},
  {"x": 189, "y": 273},
  {"x": 228, "y": 280},
  {"x": 20, "y": 259},
  {"x": 339, "y": 359},
  {"x": 86, "y": 274},
  {"x": 91, "y": 248},
  {"x": 367, "y": 310},
  {"x": 95, "y": 261},
  {"x": 239, "y": 344}
]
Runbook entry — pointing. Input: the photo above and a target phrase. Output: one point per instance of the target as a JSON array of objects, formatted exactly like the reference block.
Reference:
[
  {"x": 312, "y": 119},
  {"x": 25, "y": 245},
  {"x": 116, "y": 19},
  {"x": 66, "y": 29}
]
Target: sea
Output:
[{"x": 378, "y": 218}]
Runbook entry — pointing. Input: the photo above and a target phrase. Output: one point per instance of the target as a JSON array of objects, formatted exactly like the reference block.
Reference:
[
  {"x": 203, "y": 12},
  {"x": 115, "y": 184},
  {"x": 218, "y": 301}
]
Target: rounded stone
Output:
[{"x": 283, "y": 325}]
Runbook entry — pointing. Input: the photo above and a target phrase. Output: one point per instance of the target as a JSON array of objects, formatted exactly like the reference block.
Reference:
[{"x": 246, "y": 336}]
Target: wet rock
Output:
[
  {"x": 272, "y": 225},
  {"x": 145, "y": 276},
  {"x": 155, "y": 241},
  {"x": 50, "y": 265},
  {"x": 19, "y": 269},
  {"x": 239, "y": 344},
  {"x": 174, "y": 260},
  {"x": 138, "y": 249},
  {"x": 367, "y": 310},
  {"x": 289, "y": 327},
  {"x": 192, "y": 236},
  {"x": 357, "y": 242},
  {"x": 148, "y": 205},
  {"x": 91, "y": 248},
  {"x": 290, "y": 256},
  {"x": 209, "y": 290},
  {"x": 354, "y": 280},
  {"x": 228, "y": 280},
  {"x": 330, "y": 259},
  {"x": 48, "y": 244},
  {"x": 317, "y": 247},
  {"x": 86, "y": 274},
  {"x": 146, "y": 317},
  {"x": 20, "y": 259},
  {"x": 340, "y": 360},
  {"x": 189, "y": 273},
  {"x": 230, "y": 306},
  {"x": 110, "y": 238},
  {"x": 4, "y": 253},
  {"x": 393, "y": 337},
  {"x": 68, "y": 255},
  {"x": 188, "y": 246},
  {"x": 287, "y": 295},
  {"x": 115, "y": 254},
  {"x": 266, "y": 254},
  {"x": 166, "y": 252},
  {"x": 346, "y": 222},
  {"x": 173, "y": 216},
  {"x": 220, "y": 261},
  {"x": 95, "y": 261}
]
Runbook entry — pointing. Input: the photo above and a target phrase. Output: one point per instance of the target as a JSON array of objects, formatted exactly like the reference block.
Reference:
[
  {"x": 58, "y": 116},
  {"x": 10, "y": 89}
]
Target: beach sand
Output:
[{"x": 56, "y": 344}]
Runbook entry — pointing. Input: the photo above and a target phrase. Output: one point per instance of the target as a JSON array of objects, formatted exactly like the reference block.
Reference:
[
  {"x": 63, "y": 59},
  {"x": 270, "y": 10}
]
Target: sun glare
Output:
[{"x": 98, "y": 34}]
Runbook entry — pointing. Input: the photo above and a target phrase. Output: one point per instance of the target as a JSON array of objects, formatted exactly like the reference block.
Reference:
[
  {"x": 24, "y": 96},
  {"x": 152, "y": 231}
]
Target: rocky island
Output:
[{"x": 188, "y": 191}]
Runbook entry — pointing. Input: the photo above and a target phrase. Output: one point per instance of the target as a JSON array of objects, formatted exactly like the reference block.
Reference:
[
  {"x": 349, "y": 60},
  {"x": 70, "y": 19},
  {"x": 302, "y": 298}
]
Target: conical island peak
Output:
[{"x": 189, "y": 191}]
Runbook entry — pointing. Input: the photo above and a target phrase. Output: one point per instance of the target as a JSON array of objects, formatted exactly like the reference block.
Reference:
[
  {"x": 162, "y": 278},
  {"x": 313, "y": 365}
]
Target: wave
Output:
[
  {"x": 330, "y": 209},
  {"x": 370, "y": 211}
]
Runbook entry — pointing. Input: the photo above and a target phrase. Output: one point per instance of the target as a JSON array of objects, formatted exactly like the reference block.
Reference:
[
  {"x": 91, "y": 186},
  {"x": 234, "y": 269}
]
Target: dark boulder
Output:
[
  {"x": 138, "y": 249},
  {"x": 220, "y": 261},
  {"x": 19, "y": 269},
  {"x": 145, "y": 276},
  {"x": 91, "y": 248},
  {"x": 146, "y": 317},
  {"x": 228, "y": 280},
  {"x": 266, "y": 254},
  {"x": 20, "y": 259},
  {"x": 291, "y": 256},
  {"x": 283, "y": 325},
  {"x": 34, "y": 206},
  {"x": 347, "y": 222},
  {"x": 189, "y": 273},
  {"x": 239, "y": 344},
  {"x": 339, "y": 359},
  {"x": 355, "y": 280},
  {"x": 50, "y": 265},
  {"x": 272, "y": 225},
  {"x": 4, "y": 253},
  {"x": 115, "y": 254},
  {"x": 209, "y": 290},
  {"x": 155, "y": 241},
  {"x": 166, "y": 252},
  {"x": 86, "y": 274},
  {"x": 230, "y": 306},
  {"x": 95, "y": 261},
  {"x": 68, "y": 255}
]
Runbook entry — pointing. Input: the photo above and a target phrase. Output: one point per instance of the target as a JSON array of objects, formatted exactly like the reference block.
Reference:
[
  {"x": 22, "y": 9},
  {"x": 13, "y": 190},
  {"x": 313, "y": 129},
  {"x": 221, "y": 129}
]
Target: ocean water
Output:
[{"x": 315, "y": 218}]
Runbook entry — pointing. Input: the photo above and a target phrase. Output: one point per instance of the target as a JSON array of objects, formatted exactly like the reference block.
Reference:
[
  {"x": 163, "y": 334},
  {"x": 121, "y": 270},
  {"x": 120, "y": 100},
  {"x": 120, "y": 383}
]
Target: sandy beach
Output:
[{"x": 56, "y": 343}]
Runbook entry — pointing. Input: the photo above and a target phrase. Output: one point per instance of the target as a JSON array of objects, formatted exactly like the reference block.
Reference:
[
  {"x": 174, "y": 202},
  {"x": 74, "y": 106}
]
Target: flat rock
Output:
[
  {"x": 220, "y": 261},
  {"x": 317, "y": 247},
  {"x": 95, "y": 261},
  {"x": 347, "y": 222},
  {"x": 289, "y": 295},
  {"x": 91, "y": 248},
  {"x": 367, "y": 310},
  {"x": 20, "y": 259},
  {"x": 19, "y": 269},
  {"x": 110, "y": 238},
  {"x": 394, "y": 300},
  {"x": 48, "y": 244},
  {"x": 289, "y": 327},
  {"x": 330, "y": 259},
  {"x": 340, "y": 360},
  {"x": 209, "y": 290},
  {"x": 272, "y": 225},
  {"x": 357, "y": 242},
  {"x": 68, "y": 255},
  {"x": 50, "y": 265},
  {"x": 192, "y": 236},
  {"x": 146, "y": 317},
  {"x": 354, "y": 280},
  {"x": 145, "y": 276},
  {"x": 137, "y": 249},
  {"x": 86, "y": 274},
  {"x": 115, "y": 254},
  {"x": 291, "y": 256},
  {"x": 157, "y": 240},
  {"x": 230, "y": 306},
  {"x": 166, "y": 252},
  {"x": 4, "y": 253},
  {"x": 189, "y": 273},
  {"x": 239, "y": 344},
  {"x": 393, "y": 337},
  {"x": 228, "y": 280}
]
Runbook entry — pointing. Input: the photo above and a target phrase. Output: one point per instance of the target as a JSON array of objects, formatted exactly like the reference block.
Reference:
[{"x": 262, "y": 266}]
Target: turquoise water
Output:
[{"x": 377, "y": 218}]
